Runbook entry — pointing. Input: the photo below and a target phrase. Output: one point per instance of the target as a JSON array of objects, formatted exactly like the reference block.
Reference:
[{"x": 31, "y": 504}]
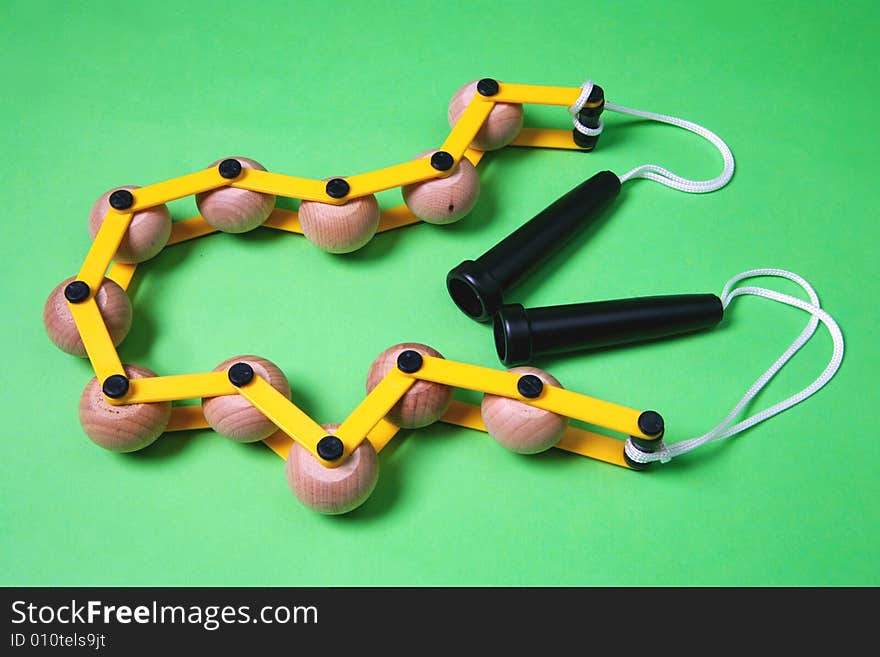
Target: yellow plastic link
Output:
[
  {"x": 189, "y": 229},
  {"x": 547, "y": 138},
  {"x": 473, "y": 155},
  {"x": 469, "y": 124},
  {"x": 169, "y": 190},
  {"x": 536, "y": 94},
  {"x": 187, "y": 418},
  {"x": 396, "y": 217},
  {"x": 281, "y": 219},
  {"x": 281, "y": 184},
  {"x": 289, "y": 418},
  {"x": 557, "y": 400},
  {"x": 180, "y": 386},
  {"x": 578, "y": 441},
  {"x": 122, "y": 273},
  {"x": 394, "y": 176},
  {"x": 374, "y": 407},
  {"x": 98, "y": 343},
  {"x": 104, "y": 248}
]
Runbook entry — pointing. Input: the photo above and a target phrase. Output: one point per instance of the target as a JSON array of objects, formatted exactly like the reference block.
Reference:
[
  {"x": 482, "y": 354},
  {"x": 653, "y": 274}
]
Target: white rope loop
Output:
[
  {"x": 654, "y": 171},
  {"x": 724, "y": 429}
]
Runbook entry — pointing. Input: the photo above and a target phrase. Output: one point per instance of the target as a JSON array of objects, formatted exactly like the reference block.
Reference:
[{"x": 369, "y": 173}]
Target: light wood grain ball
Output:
[
  {"x": 123, "y": 428},
  {"x": 235, "y": 210},
  {"x": 333, "y": 490},
  {"x": 520, "y": 427},
  {"x": 146, "y": 235},
  {"x": 235, "y": 417},
  {"x": 425, "y": 402},
  {"x": 340, "y": 228},
  {"x": 501, "y": 127},
  {"x": 444, "y": 200},
  {"x": 112, "y": 302}
]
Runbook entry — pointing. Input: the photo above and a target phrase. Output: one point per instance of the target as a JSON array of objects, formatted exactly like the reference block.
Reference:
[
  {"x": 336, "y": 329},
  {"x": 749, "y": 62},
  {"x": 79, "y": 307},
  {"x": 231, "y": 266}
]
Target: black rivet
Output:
[
  {"x": 77, "y": 291},
  {"x": 330, "y": 448},
  {"x": 115, "y": 386},
  {"x": 442, "y": 161},
  {"x": 230, "y": 168},
  {"x": 240, "y": 374},
  {"x": 530, "y": 386},
  {"x": 651, "y": 423},
  {"x": 121, "y": 199},
  {"x": 487, "y": 87},
  {"x": 409, "y": 361},
  {"x": 337, "y": 188}
]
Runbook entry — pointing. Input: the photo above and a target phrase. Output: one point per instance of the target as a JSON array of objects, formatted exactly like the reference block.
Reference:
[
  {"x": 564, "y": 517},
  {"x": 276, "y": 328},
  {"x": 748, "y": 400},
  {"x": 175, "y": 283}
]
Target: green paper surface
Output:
[{"x": 98, "y": 95}]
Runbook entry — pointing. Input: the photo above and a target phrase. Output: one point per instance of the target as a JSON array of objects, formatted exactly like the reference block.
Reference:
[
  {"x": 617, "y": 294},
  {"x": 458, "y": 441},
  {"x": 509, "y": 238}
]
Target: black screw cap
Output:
[
  {"x": 330, "y": 448},
  {"x": 442, "y": 161},
  {"x": 77, "y": 291},
  {"x": 121, "y": 199},
  {"x": 530, "y": 386},
  {"x": 487, "y": 87},
  {"x": 651, "y": 423},
  {"x": 115, "y": 386},
  {"x": 230, "y": 168},
  {"x": 337, "y": 188},
  {"x": 240, "y": 374},
  {"x": 409, "y": 361}
]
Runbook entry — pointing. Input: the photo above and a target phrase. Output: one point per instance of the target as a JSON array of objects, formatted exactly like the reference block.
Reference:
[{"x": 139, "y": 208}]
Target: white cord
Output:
[
  {"x": 723, "y": 428},
  {"x": 654, "y": 171}
]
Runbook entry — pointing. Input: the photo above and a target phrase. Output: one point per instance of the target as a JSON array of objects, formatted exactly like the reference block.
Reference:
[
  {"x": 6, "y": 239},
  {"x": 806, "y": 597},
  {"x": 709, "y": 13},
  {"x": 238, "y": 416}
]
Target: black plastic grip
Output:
[
  {"x": 477, "y": 286},
  {"x": 521, "y": 334}
]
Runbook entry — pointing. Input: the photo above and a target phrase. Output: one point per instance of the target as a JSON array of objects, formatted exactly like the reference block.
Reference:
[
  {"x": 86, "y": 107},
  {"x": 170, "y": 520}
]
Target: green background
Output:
[{"x": 99, "y": 95}]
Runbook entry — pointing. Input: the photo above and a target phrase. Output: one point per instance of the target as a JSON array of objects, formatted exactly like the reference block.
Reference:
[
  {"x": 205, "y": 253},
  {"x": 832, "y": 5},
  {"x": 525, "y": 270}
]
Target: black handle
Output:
[
  {"x": 521, "y": 334},
  {"x": 477, "y": 286}
]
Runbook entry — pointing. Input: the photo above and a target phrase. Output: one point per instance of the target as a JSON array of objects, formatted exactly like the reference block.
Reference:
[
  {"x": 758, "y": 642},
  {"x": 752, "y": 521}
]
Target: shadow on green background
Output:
[{"x": 101, "y": 96}]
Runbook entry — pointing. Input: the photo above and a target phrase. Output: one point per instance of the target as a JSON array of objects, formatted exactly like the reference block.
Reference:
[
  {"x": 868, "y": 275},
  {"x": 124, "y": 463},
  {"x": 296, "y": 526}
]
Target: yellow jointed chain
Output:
[{"x": 368, "y": 419}]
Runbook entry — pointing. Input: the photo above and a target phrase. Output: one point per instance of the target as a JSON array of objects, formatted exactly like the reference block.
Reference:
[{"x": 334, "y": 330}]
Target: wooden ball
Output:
[
  {"x": 340, "y": 228},
  {"x": 333, "y": 490},
  {"x": 112, "y": 302},
  {"x": 425, "y": 402},
  {"x": 234, "y": 416},
  {"x": 501, "y": 126},
  {"x": 444, "y": 200},
  {"x": 234, "y": 210},
  {"x": 123, "y": 428},
  {"x": 519, "y": 427},
  {"x": 146, "y": 235}
]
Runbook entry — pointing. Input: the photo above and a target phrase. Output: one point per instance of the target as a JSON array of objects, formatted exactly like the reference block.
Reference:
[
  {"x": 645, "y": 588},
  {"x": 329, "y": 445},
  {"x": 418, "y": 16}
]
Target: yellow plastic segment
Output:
[
  {"x": 382, "y": 433},
  {"x": 578, "y": 441},
  {"x": 281, "y": 219},
  {"x": 557, "y": 400},
  {"x": 279, "y": 442},
  {"x": 180, "y": 386},
  {"x": 394, "y": 176},
  {"x": 122, "y": 273},
  {"x": 189, "y": 229},
  {"x": 104, "y": 248},
  {"x": 281, "y": 184},
  {"x": 187, "y": 418},
  {"x": 547, "y": 138},
  {"x": 374, "y": 407},
  {"x": 473, "y": 155},
  {"x": 98, "y": 343},
  {"x": 396, "y": 217},
  {"x": 288, "y": 417},
  {"x": 467, "y": 127},
  {"x": 536, "y": 94},
  {"x": 169, "y": 190}
]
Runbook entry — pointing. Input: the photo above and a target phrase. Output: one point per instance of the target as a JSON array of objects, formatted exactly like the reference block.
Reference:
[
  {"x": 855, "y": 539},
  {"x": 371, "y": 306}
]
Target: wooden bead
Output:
[
  {"x": 234, "y": 210},
  {"x": 123, "y": 428},
  {"x": 444, "y": 200},
  {"x": 520, "y": 427},
  {"x": 112, "y": 302},
  {"x": 501, "y": 126},
  {"x": 235, "y": 417},
  {"x": 340, "y": 228},
  {"x": 147, "y": 234},
  {"x": 425, "y": 402},
  {"x": 333, "y": 490}
]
